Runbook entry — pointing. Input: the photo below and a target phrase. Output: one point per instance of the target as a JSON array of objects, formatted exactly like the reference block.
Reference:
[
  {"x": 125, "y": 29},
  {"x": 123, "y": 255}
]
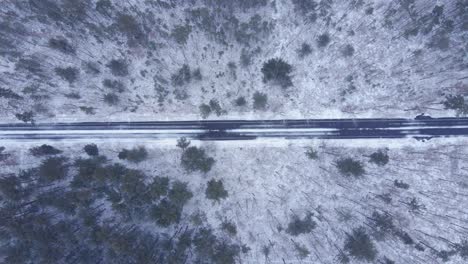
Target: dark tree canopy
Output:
[
  {"x": 205, "y": 110},
  {"x": 135, "y": 155},
  {"x": 114, "y": 85},
  {"x": 323, "y": 40},
  {"x": 179, "y": 194},
  {"x": 53, "y": 169},
  {"x": 229, "y": 228},
  {"x": 299, "y": 226},
  {"x": 182, "y": 77},
  {"x": 380, "y": 158},
  {"x": 360, "y": 246},
  {"x": 26, "y": 117},
  {"x": 44, "y": 150},
  {"x": 91, "y": 150},
  {"x": 10, "y": 188},
  {"x": 259, "y": 100},
  {"x": 195, "y": 159},
  {"x": 62, "y": 45},
  {"x": 350, "y": 167},
  {"x": 158, "y": 187},
  {"x": 118, "y": 67},
  {"x": 456, "y": 103},
  {"x": 209, "y": 247},
  {"x": 37, "y": 199},
  {"x": 311, "y": 153},
  {"x": 70, "y": 74},
  {"x": 240, "y": 101},
  {"x": 348, "y": 50},
  {"x": 111, "y": 99},
  {"x": 9, "y": 94},
  {"x": 306, "y": 8},
  {"x": 215, "y": 190},
  {"x": 183, "y": 143},
  {"x": 382, "y": 223},
  {"x": 128, "y": 26},
  {"x": 277, "y": 71},
  {"x": 304, "y": 50},
  {"x": 401, "y": 184},
  {"x": 181, "y": 33},
  {"x": 166, "y": 213}
]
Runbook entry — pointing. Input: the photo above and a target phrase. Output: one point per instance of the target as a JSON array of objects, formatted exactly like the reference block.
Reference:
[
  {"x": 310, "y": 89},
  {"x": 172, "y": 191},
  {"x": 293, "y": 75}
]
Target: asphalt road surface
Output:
[{"x": 422, "y": 127}]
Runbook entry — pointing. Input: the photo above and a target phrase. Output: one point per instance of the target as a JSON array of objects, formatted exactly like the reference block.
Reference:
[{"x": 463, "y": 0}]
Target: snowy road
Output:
[{"x": 241, "y": 129}]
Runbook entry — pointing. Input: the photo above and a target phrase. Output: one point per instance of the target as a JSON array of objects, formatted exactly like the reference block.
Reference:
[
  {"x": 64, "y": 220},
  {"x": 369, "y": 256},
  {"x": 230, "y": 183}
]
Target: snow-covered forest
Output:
[
  {"x": 65, "y": 60},
  {"x": 377, "y": 201},
  {"x": 181, "y": 201}
]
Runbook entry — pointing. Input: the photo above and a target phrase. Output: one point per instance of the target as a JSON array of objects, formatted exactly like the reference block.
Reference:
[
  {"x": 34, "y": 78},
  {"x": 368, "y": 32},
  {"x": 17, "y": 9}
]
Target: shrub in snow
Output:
[
  {"x": 311, "y": 153},
  {"x": 301, "y": 226},
  {"x": 180, "y": 33},
  {"x": 195, "y": 159},
  {"x": 10, "y": 188},
  {"x": 215, "y": 190},
  {"x": 44, "y": 150},
  {"x": 240, "y": 101},
  {"x": 401, "y": 184},
  {"x": 229, "y": 228},
  {"x": 382, "y": 223},
  {"x": 111, "y": 99},
  {"x": 196, "y": 74},
  {"x": 53, "y": 169},
  {"x": 182, "y": 77},
  {"x": 158, "y": 187},
  {"x": 26, "y": 117},
  {"x": 118, "y": 67},
  {"x": 306, "y": 8},
  {"x": 135, "y": 155},
  {"x": 183, "y": 143},
  {"x": 3, "y": 156},
  {"x": 211, "y": 249},
  {"x": 456, "y": 103},
  {"x": 350, "y": 167},
  {"x": 380, "y": 158},
  {"x": 405, "y": 237},
  {"x": 463, "y": 249},
  {"x": 305, "y": 50},
  {"x": 259, "y": 100},
  {"x": 128, "y": 25},
  {"x": 166, "y": 213},
  {"x": 301, "y": 250},
  {"x": 348, "y": 50},
  {"x": 359, "y": 245},
  {"x": 205, "y": 110},
  {"x": 216, "y": 107},
  {"x": 415, "y": 206},
  {"x": 114, "y": 85},
  {"x": 278, "y": 72},
  {"x": 91, "y": 68},
  {"x": 69, "y": 74},
  {"x": 179, "y": 193},
  {"x": 323, "y": 40},
  {"x": 91, "y": 150},
  {"x": 61, "y": 45},
  {"x": 9, "y": 94},
  {"x": 31, "y": 65}
]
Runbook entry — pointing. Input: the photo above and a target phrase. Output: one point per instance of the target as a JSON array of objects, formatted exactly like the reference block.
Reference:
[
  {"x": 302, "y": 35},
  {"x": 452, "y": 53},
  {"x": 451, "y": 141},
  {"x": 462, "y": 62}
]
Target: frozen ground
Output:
[
  {"x": 382, "y": 58},
  {"x": 270, "y": 183}
]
